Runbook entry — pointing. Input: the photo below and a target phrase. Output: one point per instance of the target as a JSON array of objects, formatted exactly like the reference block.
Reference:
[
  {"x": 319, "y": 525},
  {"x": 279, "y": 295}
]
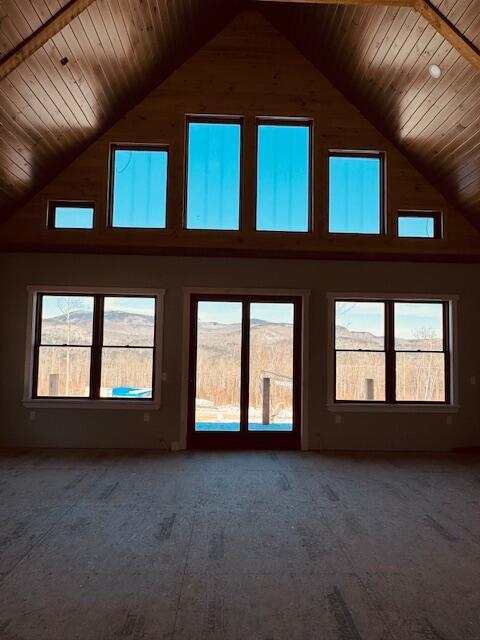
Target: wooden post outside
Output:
[
  {"x": 53, "y": 384},
  {"x": 266, "y": 401},
  {"x": 369, "y": 389}
]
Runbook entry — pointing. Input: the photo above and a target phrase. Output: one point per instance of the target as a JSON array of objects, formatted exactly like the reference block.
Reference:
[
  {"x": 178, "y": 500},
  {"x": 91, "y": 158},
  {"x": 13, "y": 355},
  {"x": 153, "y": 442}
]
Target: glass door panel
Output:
[
  {"x": 271, "y": 353},
  {"x": 218, "y": 366}
]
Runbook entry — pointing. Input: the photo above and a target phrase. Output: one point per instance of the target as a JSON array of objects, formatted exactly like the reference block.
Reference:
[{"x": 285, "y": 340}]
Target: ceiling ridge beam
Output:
[
  {"x": 446, "y": 29},
  {"x": 426, "y": 9},
  {"x": 42, "y": 35}
]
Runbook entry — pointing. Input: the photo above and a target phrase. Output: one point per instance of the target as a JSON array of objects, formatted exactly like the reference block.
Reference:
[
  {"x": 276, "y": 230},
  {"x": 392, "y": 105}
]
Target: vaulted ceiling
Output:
[{"x": 66, "y": 93}]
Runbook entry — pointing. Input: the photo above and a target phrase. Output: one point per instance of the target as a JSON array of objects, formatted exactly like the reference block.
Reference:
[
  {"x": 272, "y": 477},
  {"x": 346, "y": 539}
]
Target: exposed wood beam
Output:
[
  {"x": 42, "y": 35},
  {"x": 446, "y": 29},
  {"x": 431, "y": 14}
]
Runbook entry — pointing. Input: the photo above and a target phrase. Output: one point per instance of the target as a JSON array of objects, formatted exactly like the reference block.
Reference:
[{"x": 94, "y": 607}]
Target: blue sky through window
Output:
[
  {"x": 283, "y": 177},
  {"x": 74, "y": 217},
  {"x": 228, "y": 312},
  {"x": 410, "y": 317},
  {"x": 140, "y": 188},
  {"x": 213, "y": 182},
  {"x": 354, "y": 188},
  {"x": 416, "y": 227}
]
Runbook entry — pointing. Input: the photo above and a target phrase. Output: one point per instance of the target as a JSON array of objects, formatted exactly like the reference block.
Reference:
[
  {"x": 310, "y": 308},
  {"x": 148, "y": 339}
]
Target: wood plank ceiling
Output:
[
  {"x": 62, "y": 97},
  {"x": 379, "y": 57}
]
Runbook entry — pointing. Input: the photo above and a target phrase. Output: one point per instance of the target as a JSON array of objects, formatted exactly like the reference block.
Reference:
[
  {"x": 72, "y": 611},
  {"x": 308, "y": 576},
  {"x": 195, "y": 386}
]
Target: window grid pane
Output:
[
  {"x": 128, "y": 321},
  {"x": 416, "y": 227},
  {"x": 127, "y": 372},
  {"x": 66, "y": 320},
  {"x": 420, "y": 377},
  {"x": 419, "y": 326},
  {"x": 213, "y": 181},
  {"x": 139, "y": 188},
  {"x": 64, "y": 372},
  {"x": 73, "y": 217},
  {"x": 355, "y": 196},
  {"x": 283, "y": 178},
  {"x": 360, "y": 376}
]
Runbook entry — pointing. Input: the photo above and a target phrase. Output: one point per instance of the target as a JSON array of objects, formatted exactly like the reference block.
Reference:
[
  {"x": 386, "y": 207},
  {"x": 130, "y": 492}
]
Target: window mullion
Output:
[
  {"x": 390, "y": 351},
  {"x": 97, "y": 343}
]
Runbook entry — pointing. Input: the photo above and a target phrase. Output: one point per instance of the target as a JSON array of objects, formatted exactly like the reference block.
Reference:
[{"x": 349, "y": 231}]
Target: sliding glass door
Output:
[{"x": 245, "y": 364}]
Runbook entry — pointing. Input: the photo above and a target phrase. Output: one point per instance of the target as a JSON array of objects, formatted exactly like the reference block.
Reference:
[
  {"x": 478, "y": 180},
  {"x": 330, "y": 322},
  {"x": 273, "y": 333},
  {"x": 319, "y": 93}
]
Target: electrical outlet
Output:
[
  {"x": 146, "y": 417},
  {"x": 338, "y": 419},
  {"x": 32, "y": 416},
  {"x": 473, "y": 380},
  {"x": 164, "y": 376},
  {"x": 449, "y": 420}
]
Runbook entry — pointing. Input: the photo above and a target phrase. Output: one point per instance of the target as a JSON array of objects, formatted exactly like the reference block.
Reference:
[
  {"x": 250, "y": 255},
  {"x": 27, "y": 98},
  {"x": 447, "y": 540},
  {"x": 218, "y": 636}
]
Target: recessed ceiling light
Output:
[{"x": 435, "y": 71}]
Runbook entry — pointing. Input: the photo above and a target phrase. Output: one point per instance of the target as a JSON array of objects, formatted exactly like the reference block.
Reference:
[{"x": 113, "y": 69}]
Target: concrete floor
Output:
[{"x": 256, "y": 545}]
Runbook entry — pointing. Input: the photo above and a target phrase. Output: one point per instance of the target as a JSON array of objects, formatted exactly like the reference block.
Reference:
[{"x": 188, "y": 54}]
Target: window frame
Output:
[
  {"x": 386, "y": 321},
  {"x": 287, "y": 122},
  {"x": 214, "y": 119},
  {"x": 52, "y": 206},
  {"x": 449, "y": 303},
  {"x": 435, "y": 214},
  {"x": 377, "y": 155},
  {"x": 135, "y": 146},
  {"x": 30, "y": 397}
]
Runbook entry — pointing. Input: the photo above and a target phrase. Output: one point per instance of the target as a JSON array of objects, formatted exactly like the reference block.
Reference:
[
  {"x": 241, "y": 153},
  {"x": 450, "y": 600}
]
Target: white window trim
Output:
[
  {"x": 88, "y": 403},
  {"x": 367, "y": 407}
]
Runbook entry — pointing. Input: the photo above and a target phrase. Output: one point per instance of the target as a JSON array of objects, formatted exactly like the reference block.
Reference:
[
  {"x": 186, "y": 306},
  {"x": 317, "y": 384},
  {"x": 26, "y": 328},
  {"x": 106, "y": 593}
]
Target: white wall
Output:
[{"x": 105, "y": 428}]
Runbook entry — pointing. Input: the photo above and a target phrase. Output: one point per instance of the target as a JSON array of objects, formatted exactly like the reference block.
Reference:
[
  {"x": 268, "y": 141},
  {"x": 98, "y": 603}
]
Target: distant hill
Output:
[
  {"x": 137, "y": 329},
  {"x": 120, "y": 328}
]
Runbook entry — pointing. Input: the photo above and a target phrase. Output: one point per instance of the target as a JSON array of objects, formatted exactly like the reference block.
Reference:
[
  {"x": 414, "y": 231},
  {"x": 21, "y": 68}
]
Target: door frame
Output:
[{"x": 302, "y": 294}]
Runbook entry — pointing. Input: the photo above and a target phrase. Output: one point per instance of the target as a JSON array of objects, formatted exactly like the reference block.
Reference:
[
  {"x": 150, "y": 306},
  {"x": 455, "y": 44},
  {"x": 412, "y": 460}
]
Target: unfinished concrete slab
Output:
[{"x": 100, "y": 545}]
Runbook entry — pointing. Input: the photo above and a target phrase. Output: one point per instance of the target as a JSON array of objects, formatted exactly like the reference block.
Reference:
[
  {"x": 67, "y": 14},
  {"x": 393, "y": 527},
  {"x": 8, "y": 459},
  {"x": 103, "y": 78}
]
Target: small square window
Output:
[
  {"x": 283, "y": 176},
  {"x": 138, "y": 183},
  {"x": 356, "y": 193},
  {"x": 71, "y": 215},
  {"x": 213, "y": 174},
  {"x": 420, "y": 224}
]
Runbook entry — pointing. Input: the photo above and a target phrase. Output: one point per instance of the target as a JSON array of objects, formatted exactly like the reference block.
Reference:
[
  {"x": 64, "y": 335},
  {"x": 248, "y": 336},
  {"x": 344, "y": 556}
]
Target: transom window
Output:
[
  {"x": 356, "y": 192},
  {"x": 283, "y": 175},
  {"x": 70, "y": 214},
  {"x": 419, "y": 224},
  {"x": 213, "y": 173},
  {"x": 138, "y": 186},
  {"x": 392, "y": 351},
  {"x": 95, "y": 346}
]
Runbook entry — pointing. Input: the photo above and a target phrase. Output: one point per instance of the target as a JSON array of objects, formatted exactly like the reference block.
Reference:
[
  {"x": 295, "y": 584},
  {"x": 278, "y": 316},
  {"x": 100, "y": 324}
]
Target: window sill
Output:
[
  {"x": 367, "y": 407},
  {"x": 49, "y": 403}
]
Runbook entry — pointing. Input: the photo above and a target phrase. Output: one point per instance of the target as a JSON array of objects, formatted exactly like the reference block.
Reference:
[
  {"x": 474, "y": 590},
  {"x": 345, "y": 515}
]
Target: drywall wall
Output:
[{"x": 113, "y": 428}]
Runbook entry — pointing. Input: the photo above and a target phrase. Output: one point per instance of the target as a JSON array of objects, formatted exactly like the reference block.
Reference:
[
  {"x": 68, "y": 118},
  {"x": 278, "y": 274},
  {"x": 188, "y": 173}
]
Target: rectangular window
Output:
[
  {"x": 138, "y": 186},
  {"x": 70, "y": 215},
  {"x": 213, "y": 174},
  {"x": 392, "y": 351},
  {"x": 421, "y": 349},
  {"x": 360, "y": 351},
  {"x": 356, "y": 192},
  {"x": 283, "y": 176},
  {"x": 95, "y": 346},
  {"x": 419, "y": 224}
]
